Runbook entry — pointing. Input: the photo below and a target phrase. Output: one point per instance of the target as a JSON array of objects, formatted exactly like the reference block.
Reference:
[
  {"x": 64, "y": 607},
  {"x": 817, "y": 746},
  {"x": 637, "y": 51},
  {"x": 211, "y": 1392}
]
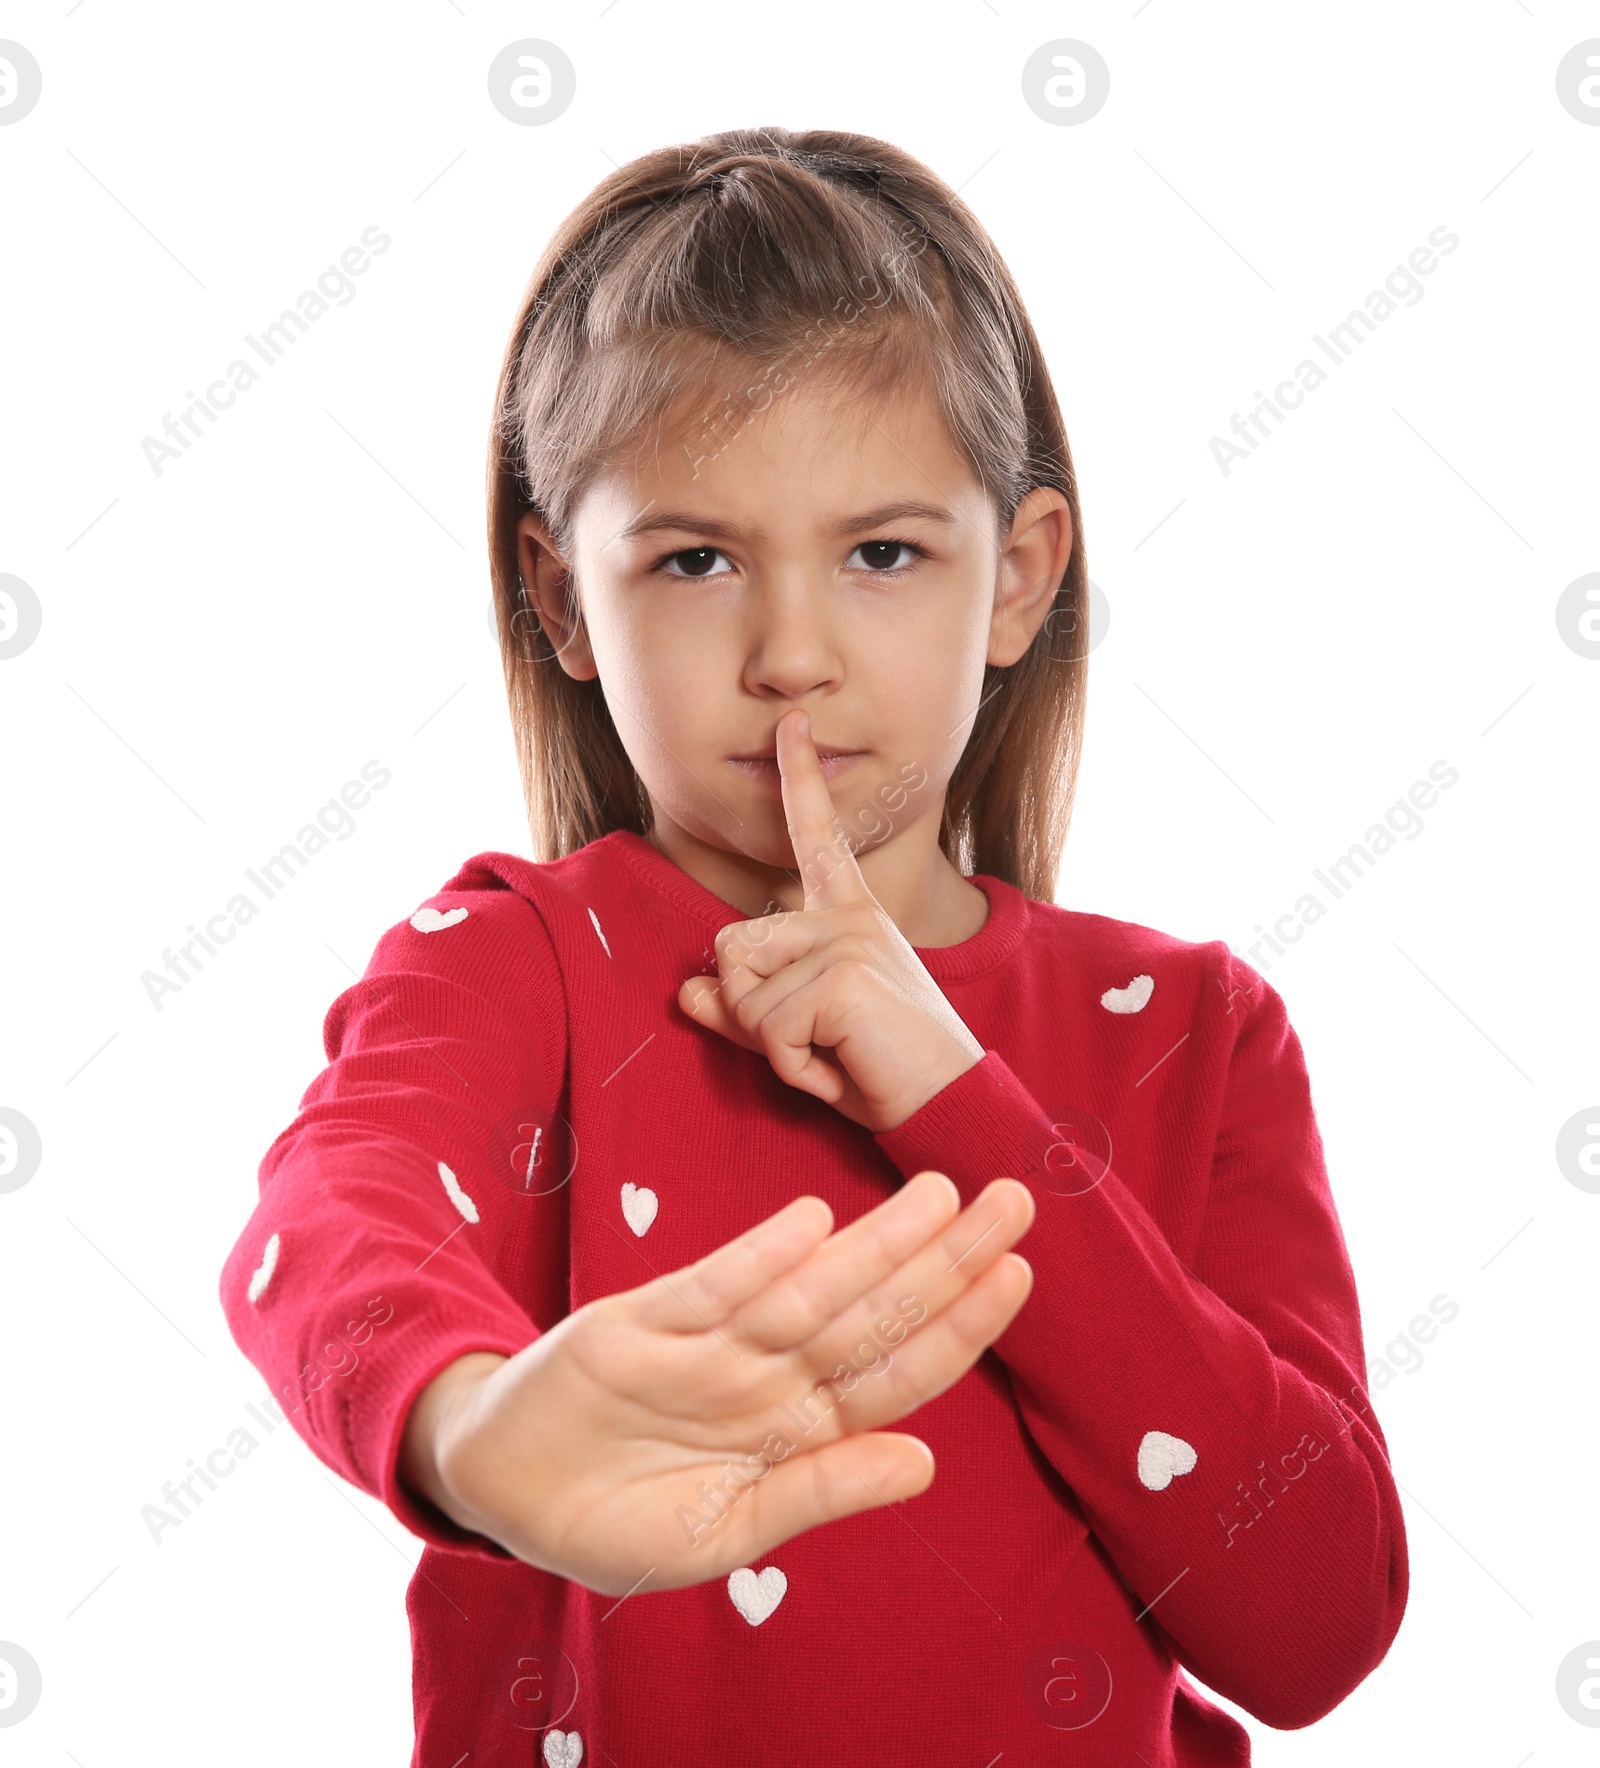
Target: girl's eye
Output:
[
  {"x": 879, "y": 555},
  {"x": 878, "y": 559},
  {"x": 696, "y": 561}
]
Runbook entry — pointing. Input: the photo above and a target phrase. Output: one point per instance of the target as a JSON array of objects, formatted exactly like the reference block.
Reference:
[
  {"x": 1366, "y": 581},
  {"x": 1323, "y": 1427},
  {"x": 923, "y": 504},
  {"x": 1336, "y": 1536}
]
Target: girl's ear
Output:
[
  {"x": 1033, "y": 561},
  {"x": 548, "y": 585}
]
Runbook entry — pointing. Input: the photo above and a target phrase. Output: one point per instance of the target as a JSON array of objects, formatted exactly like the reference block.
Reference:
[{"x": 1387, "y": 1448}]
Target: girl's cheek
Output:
[
  {"x": 918, "y": 777},
  {"x": 872, "y": 825}
]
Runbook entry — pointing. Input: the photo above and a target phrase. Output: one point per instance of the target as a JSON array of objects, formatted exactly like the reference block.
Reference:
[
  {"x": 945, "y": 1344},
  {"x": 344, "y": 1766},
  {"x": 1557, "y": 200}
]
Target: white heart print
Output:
[
  {"x": 757, "y": 1597},
  {"x": 563, "y": 1749},
  {"x": 1161, "y": 1456},
  {"x": 457, "y": 1196},
  {"x": 262, "y": 1275},
  {"x": 1132, "y": 999},
  {"x": 639, "y": 1206},
  {"x": 431, "y": 921}
]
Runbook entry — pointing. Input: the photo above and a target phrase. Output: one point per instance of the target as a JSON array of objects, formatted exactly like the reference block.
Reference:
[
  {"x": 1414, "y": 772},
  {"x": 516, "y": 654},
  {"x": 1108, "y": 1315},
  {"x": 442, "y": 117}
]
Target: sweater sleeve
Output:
[
  {"x": 1211, "y": 1423},
  {"x": 365, "y": 1268}
]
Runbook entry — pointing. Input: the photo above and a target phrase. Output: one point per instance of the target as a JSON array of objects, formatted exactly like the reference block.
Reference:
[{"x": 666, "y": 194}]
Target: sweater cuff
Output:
[
  {"x": 419, "y": 1514},
  {"x": 984, "y": 1125}
]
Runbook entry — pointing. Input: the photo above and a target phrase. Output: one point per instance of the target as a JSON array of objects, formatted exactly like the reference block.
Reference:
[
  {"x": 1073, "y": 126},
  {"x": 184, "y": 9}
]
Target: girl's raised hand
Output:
[
  {"x": 669, "y": 1434},
  {"x": 837, "y": 975}
]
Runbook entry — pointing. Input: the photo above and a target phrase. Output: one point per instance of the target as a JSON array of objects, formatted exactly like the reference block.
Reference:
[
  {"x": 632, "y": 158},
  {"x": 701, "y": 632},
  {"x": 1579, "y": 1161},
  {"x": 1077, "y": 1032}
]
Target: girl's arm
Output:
[
  {"x": 366, "y": 1288},
  {"x": 366, "y": 1267},
  {"x": 1211, "y": 1423}
]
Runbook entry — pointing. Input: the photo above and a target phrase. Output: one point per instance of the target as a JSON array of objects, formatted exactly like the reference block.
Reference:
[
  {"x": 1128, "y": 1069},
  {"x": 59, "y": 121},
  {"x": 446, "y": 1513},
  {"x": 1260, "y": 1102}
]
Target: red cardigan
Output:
[{"x": 1167, "y": 1459}]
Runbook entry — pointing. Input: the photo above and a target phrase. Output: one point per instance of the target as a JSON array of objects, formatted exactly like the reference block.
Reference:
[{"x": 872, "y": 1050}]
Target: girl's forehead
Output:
[{"x": 832, "y": 430}]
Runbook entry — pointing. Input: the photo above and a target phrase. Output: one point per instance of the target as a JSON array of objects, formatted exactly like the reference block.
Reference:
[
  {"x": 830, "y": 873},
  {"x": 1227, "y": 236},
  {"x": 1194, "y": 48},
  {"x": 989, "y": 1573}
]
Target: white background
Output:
[{"x": 1291, "y": 646}]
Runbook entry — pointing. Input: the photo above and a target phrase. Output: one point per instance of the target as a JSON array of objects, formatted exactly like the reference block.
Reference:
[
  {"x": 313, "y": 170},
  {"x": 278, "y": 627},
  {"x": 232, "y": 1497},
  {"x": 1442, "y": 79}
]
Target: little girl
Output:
[{"x": 649, "y": 1180}]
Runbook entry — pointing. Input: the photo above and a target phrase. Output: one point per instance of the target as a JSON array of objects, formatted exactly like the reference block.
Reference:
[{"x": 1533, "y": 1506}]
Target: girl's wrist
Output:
[
  {"x": 931, "y": 1088},
  {"x": 426, "y": 1441}
]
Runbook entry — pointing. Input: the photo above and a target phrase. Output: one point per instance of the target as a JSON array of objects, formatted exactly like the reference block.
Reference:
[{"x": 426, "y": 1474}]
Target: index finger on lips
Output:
[{"x": 828, "y": 869}]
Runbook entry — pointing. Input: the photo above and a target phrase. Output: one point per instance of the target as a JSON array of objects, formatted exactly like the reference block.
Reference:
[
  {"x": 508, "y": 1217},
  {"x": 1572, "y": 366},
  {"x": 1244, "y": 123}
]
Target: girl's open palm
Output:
[{"x": 668, "y": 1434}]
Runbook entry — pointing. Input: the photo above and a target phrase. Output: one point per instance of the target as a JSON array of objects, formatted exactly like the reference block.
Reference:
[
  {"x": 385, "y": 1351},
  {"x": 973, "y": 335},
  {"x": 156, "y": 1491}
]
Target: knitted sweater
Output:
[{"x": 1167, "y": 1459}]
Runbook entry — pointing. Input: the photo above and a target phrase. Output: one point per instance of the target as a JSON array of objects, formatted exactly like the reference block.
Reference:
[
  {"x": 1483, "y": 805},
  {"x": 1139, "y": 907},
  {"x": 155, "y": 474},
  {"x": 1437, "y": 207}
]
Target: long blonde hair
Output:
[{"x": 702, "y": 279}]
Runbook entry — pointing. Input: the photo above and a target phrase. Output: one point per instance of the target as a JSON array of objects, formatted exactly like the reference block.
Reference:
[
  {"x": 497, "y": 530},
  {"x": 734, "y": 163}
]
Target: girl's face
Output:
[{"x": 833, "y": 556}]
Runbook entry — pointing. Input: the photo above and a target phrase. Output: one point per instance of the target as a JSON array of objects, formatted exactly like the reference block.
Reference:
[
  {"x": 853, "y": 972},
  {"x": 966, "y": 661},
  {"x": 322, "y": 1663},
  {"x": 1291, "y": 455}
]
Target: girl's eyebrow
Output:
[{"x": 904, "y": 510}]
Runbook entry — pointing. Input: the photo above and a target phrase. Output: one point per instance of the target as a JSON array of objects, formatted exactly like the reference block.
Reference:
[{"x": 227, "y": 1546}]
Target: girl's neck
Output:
[{"x": 930, "y": 902}]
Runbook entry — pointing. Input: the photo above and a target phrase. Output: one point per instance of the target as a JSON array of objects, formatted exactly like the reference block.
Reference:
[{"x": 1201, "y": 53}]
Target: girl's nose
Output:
[{"x": 793, "y": 642}]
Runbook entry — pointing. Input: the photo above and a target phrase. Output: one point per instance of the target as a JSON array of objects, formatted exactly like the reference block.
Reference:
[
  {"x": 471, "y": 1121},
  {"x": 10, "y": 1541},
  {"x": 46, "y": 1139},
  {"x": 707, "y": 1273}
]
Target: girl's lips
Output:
[{"x": 767, "y": 771}]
